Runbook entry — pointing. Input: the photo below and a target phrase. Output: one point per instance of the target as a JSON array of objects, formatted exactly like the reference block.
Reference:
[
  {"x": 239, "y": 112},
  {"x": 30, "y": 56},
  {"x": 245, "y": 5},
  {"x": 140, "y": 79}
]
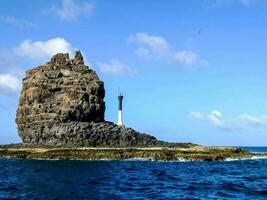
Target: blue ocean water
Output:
[
  {"x": 256, "y": 149},
  {"x": 42, "y": 179}
]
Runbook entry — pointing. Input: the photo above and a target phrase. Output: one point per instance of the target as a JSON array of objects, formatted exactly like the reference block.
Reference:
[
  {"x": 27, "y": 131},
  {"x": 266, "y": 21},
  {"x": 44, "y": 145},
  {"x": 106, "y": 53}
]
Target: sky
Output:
[{"x": 190, "y": 71}]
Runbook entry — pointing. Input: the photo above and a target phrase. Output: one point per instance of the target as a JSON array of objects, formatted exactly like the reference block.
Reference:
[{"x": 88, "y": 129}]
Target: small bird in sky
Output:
[{"x": 200, "y": 30}]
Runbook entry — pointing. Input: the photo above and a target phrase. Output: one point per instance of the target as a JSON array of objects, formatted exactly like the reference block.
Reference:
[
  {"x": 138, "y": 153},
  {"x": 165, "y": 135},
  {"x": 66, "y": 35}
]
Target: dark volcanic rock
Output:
[
  {"x": 62, "y": 103},
  {"x": 93, "y": 134}
]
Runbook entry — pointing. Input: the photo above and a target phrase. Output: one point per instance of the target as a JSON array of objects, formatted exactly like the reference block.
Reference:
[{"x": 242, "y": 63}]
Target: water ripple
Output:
[{"x": 31, "y": 179}]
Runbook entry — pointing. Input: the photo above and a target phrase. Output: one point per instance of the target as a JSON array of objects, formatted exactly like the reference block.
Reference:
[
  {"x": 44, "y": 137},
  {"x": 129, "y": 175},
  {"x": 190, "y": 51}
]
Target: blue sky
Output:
[{"x": 190, "y": 71}]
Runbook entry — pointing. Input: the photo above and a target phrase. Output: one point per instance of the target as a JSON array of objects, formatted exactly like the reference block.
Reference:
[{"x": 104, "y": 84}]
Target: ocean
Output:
[{"x": 43, "y": 179}]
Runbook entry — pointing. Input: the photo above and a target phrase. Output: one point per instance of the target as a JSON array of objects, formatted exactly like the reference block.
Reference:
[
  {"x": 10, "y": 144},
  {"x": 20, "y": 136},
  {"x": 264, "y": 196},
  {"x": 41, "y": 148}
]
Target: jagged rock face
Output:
[
  {"x": 62, "y": 90},
  {"x": 62, "y": 103}
]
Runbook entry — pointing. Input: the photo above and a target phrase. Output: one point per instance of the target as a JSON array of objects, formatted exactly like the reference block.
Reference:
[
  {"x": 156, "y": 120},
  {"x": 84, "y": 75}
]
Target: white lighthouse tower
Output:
[{"x": 120, "y": 97}]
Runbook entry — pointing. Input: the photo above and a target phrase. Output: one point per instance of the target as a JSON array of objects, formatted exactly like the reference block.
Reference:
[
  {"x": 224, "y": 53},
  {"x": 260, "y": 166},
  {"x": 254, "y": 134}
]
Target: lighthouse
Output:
[{"x": 120, "y": 97}]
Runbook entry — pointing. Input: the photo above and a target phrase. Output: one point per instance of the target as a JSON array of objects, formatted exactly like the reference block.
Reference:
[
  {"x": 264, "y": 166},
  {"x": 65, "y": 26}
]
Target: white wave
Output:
[
  {"x": 139, "y": 159},
  {"x": 247, "y": 158}
]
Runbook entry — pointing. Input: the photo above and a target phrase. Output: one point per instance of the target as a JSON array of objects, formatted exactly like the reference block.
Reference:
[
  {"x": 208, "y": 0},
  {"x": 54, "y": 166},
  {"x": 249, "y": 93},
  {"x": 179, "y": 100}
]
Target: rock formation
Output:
[{"x": 62, "y": 103}]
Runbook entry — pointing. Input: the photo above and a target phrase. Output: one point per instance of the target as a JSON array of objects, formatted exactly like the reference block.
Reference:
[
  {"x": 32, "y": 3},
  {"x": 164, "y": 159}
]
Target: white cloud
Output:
[
  {"x": 9, "y": 84},
  {"x": 186, "y": 57},
  {"x": 242, "y": 122},
  {"x": 150, "y": 46},
  {"x": 17, "y": 22},
  {"x": 43, "y": 49},
  {"x": 254, "y": 120},
  {"x": 71, "y": 11},
  {"x": 215, "y": 118},
  {"x": 196, "y": 115},
  {"x": 115, "y": 67},
  {"x": 30, "y": 53}
]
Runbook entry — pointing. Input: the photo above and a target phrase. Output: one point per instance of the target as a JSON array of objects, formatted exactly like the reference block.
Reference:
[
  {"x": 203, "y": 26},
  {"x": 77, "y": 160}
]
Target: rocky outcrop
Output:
[
  {"x": 62, "y": 103},
  {"x": 93, "y": 134}
]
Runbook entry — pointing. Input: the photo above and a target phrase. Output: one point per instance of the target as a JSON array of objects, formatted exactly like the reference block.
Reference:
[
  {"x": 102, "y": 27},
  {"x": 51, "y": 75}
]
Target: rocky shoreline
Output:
[{"x": 193, "y": 153}]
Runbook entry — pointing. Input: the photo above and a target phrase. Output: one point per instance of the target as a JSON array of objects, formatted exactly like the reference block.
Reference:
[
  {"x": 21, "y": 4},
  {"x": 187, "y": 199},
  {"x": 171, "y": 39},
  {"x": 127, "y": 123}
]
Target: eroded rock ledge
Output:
[
  {"x": 181, "y": 152},
  {"x": 62, "y": 103}
]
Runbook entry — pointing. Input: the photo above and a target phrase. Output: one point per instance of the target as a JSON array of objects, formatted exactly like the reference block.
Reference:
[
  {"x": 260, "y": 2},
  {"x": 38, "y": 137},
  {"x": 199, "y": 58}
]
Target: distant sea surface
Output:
[
  {"x": 256, "y": 149},
  {"x": 42, "y": 179}
]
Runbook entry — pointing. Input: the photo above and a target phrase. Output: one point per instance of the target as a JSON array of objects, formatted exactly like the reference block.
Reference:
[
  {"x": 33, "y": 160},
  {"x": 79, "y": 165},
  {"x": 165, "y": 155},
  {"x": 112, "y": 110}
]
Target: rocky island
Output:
[
  {"x": 61, "y": 115},
  {"x": 62, "y": 103}
]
